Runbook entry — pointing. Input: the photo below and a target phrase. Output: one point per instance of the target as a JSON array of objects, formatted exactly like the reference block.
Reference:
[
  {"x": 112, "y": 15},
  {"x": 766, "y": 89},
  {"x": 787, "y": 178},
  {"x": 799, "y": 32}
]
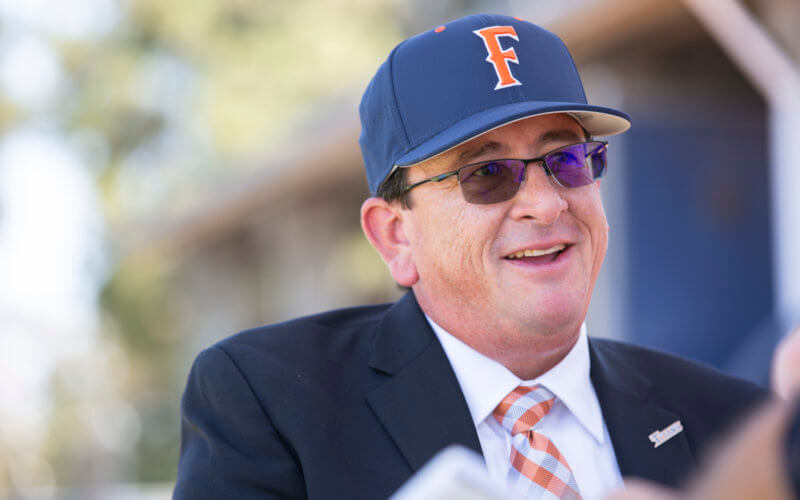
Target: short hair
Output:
[{"x": 393, "y": 189}]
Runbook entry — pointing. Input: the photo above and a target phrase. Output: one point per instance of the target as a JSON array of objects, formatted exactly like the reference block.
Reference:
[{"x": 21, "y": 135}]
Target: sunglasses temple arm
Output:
[{"x": 437, "y": 178}]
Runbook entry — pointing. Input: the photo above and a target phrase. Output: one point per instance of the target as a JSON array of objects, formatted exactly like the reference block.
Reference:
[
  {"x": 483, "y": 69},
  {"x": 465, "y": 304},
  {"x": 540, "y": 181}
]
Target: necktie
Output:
[{"x": 537, "y": 467}]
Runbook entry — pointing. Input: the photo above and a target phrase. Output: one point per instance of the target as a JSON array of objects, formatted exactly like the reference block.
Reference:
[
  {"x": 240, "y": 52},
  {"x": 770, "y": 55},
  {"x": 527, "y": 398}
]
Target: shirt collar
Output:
[{"x": 485, "y": 382}]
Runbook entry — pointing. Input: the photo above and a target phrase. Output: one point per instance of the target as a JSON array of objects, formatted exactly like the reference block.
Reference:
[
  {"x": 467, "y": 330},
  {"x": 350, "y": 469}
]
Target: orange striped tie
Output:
[{"x": 537, "y": 467}]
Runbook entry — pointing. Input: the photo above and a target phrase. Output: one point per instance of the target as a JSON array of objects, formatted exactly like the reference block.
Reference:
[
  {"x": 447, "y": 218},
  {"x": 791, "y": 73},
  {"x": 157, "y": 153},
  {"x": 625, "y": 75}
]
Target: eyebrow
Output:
[
  {"x": 482, "y": 149},
  {"x": 560, "y": 135}
]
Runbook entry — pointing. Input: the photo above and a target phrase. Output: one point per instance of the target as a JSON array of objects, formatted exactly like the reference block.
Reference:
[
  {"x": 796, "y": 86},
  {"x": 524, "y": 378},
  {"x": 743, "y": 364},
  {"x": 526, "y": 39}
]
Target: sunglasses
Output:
[{"x": 495, "y": 181}]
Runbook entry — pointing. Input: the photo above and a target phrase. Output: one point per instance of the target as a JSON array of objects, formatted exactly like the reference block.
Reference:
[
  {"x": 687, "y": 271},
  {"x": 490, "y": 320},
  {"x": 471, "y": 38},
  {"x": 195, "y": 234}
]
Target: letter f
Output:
[{"x": 498, "y": 57}]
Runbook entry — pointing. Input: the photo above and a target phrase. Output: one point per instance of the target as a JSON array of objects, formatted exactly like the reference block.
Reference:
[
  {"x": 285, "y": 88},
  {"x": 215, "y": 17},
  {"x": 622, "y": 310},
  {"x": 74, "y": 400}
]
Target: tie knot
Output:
[{"x": 523, "y": 408}]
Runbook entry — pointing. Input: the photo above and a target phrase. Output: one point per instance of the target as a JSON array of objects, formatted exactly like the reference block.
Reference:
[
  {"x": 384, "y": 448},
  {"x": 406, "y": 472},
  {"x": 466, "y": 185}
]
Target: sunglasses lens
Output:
[
  {"x": 491, "y": 182},
  {"x": 579, "y": 164},
  {"x": 499, "y": 180}
]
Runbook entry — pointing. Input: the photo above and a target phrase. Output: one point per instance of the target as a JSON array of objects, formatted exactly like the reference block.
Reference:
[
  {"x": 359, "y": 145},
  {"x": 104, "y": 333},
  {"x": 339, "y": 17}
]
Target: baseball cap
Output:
[{"x": 459, "y": 80}]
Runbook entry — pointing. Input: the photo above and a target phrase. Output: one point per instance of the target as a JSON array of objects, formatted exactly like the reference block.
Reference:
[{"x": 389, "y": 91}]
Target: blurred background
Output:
[{"x": 173, "y": 172}]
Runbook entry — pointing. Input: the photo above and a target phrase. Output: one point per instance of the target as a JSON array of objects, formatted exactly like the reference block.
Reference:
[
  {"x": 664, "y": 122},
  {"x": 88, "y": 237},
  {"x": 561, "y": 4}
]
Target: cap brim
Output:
[{"x": 597, "y": 120}]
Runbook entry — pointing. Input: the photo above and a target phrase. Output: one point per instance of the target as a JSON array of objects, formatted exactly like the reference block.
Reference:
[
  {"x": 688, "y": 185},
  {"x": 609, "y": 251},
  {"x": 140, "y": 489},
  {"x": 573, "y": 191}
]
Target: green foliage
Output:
[
  {"x": 138, "y": 298},
  {"x": 176, "y": 96},
  {"x": 236, "y": 75},
  {"x": 229, "y": 77}
]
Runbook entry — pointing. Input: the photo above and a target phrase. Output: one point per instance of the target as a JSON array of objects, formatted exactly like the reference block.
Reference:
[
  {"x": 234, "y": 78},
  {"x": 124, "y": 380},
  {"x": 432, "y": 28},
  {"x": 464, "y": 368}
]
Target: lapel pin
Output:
[{"x": 660, "y": 437}]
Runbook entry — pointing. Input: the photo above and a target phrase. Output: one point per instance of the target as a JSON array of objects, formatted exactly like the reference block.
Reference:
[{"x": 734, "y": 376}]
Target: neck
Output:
[
  {"x": 527, "y": 350},
  {"x": 529, "y": 365}
]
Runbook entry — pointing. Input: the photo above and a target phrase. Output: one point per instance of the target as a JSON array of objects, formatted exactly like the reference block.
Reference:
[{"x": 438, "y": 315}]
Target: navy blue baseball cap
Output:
[{"x": 455, "y": 82}]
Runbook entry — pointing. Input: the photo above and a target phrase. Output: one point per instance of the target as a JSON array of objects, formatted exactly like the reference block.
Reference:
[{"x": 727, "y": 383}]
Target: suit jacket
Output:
[{"x": 350, "y": 403}]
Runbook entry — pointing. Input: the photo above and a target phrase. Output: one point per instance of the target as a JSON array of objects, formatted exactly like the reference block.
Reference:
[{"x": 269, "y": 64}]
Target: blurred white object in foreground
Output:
[{"x": 455, "y": 472}]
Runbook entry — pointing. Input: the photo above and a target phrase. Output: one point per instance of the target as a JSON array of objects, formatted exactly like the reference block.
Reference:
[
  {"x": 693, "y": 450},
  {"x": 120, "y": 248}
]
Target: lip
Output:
[
  {"x": 540, "y": 246},
  {"x": 554, "y": 265}
]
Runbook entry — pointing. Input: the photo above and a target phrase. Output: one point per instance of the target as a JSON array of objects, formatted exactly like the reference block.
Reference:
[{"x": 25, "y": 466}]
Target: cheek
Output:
[
  {"x": 601, "y": 246},
  {"x": 460, "y": 242},
  {"x": 599, "y": 234},
  {"x": 475, "y": 232},
  {"x": 438, "y": 238},
  {"x": 457, "y": 239},
  {"x": 587, "y": 208}
]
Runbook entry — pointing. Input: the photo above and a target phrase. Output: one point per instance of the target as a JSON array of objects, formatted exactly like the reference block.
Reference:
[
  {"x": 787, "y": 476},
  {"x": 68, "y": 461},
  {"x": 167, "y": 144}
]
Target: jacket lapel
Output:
[
  {"x": 631, "y": 416},
  {"x": 421, "y": 406}
]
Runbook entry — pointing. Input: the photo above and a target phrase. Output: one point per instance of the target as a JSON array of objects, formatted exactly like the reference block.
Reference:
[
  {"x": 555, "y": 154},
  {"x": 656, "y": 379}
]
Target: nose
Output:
[{"x": 539, "y": 196}]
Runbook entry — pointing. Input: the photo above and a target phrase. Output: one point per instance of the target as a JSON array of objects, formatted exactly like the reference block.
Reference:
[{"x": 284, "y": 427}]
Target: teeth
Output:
[{"x": 536, "y": 253}]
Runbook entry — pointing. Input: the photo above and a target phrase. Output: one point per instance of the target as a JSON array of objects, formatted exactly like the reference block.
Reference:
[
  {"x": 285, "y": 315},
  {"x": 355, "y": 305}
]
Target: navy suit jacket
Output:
[{"x": 349, "y": 404}]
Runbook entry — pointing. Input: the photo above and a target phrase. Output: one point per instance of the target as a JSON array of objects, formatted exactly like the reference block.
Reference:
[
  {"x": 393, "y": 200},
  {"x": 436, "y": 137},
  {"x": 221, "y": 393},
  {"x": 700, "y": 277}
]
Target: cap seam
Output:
[
  {"x": 574, "y": 69},
  {"x": 394, "y": 96}
]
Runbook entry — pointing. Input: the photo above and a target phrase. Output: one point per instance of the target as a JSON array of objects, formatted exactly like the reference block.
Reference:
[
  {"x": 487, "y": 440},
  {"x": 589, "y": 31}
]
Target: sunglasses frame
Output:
[{"x": 542, "y": 159}]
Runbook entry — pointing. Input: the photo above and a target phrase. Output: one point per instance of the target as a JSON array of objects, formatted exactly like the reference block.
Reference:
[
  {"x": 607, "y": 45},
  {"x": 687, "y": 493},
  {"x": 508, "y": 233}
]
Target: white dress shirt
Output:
[{"x": 575, "y": 424}]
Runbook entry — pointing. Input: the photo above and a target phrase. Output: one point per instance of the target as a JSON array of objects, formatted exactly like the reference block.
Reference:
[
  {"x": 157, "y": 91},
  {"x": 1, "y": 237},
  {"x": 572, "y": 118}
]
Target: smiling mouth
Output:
[{"x": 537, "y": 256}]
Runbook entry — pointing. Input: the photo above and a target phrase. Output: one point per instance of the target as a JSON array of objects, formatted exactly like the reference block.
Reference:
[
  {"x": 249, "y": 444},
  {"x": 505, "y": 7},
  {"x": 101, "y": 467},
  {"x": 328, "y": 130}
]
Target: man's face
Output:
[{"x": 472, "y": 280}]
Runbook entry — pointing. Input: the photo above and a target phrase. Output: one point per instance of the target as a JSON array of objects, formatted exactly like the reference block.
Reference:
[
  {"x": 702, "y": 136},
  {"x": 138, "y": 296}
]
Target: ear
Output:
[{"x": 383, "y": 224}]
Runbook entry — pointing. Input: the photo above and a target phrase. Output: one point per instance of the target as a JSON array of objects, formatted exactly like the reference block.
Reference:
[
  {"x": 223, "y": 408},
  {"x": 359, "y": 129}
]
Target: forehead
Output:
[{"x": 528, "y": 134}]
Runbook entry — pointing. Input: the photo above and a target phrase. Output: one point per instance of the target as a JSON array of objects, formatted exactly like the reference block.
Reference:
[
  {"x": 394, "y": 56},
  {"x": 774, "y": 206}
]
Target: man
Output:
[{"x": 477, "y": 141}]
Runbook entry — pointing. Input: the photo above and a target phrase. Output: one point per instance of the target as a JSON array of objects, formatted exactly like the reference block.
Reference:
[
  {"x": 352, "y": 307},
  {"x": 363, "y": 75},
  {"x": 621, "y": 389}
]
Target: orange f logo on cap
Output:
[{"x": 498, "y": 57}]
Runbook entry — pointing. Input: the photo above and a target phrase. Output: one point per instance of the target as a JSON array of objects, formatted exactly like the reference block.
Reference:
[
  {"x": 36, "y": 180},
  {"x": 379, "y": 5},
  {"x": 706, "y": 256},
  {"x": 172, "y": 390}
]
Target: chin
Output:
[{"x": 554, "y": 316}]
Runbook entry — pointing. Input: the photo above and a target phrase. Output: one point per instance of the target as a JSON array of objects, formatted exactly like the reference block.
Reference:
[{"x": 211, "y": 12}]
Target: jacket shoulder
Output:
[
  {"x": 666, "y": 371},
  {"x": 712, "y": 399},
  {"x": 325, "y": 327},
  {"x": 317, "y": 350}
]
